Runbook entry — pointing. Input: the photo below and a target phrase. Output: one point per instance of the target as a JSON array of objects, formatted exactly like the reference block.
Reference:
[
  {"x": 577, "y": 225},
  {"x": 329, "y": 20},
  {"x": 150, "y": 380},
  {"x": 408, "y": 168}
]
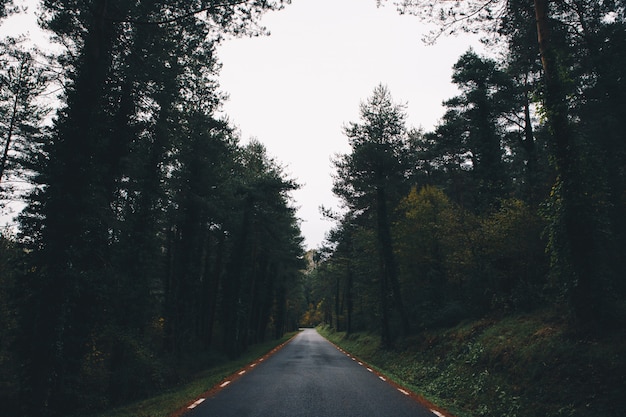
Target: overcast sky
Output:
[{"x": 297, "y": 88}]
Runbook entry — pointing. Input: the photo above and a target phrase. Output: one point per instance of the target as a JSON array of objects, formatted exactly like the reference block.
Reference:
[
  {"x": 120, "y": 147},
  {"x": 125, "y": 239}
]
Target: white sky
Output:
[{"x": 296, "y": 89}]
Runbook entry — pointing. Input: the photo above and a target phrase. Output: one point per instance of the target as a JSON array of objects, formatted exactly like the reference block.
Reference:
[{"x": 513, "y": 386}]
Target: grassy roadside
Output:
[
  {"x": 526, "y": 365},
  {"x": 170, "y": 402}
]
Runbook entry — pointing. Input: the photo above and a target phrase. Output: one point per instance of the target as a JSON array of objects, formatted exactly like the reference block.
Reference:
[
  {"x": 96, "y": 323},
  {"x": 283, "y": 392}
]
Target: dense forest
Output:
[
  {"x": 151, "y": 236},
  {"x": 515, "y": 201}
]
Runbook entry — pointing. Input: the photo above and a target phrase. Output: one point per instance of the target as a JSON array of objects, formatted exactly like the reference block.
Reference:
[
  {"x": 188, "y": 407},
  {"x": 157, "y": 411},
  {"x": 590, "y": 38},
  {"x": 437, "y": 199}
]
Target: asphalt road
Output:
[{"x": 308, "y": 377}]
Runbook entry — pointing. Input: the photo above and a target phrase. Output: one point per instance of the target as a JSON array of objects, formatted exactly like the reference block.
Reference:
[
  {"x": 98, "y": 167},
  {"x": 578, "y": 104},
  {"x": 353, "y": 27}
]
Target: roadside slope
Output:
[
  {"x": 172, "y": 401},
  {"x": 526, "y": 365}
]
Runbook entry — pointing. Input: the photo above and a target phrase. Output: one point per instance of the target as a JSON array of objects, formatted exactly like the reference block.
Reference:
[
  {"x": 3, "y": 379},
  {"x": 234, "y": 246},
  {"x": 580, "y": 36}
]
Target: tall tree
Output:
[
  {"x": 370, "y": 181},
  {"x": 473, "y": 123},
  {"x": 523, "y": 64},
  {"x": 578, "y": 238}
]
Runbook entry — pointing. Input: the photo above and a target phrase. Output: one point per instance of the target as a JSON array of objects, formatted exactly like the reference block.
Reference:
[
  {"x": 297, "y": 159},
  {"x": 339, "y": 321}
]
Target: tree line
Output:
[
  {"x": 151, "y": 236},
  {"x": 514, "y": 201}
]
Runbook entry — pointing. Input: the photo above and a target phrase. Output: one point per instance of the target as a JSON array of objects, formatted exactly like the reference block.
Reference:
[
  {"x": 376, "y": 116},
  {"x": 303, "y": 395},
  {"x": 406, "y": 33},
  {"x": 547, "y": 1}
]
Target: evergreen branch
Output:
[
  {"x": 513, "y": 121},
  {"x": 175, "y": 18}
]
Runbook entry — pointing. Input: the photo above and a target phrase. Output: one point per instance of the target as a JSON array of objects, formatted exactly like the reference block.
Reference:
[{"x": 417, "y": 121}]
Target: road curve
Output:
[{"x": 308, "y": 377}]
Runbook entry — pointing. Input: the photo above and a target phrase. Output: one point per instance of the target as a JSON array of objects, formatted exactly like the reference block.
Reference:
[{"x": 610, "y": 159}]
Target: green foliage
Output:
[
  {"x": 523, "y": 365},
  {"x": 370, "y": 180},
  {"x": 195, "y": 383},
  {"x": 539, "y": 129},
  {"x": 453, "y": 262},
  {"x": 561, "y": 59},
  {"x": 428, "y": 249},
  {"x": 10, "y": 268},
  {"x": 467, "y": 146},
  {"x": 152, "y": 235},
  {"x": 515, "y": 252}
]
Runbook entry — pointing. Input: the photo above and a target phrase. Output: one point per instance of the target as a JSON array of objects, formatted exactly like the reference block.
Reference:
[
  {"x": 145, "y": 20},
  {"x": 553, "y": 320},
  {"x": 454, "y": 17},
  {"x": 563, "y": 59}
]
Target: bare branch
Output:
[{"x": 469, "y": 16}]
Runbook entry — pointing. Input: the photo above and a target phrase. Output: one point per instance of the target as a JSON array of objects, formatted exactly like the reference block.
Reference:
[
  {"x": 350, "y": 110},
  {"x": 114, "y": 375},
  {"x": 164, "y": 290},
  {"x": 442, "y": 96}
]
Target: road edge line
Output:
[
  {"x": 433, "y": 408},
  {"x": 231, "y": 378}
]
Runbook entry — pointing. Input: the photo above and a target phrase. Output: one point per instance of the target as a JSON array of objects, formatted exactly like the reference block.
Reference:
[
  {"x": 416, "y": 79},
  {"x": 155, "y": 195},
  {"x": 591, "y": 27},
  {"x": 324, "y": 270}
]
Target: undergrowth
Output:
[
  {"x": 172, "y": 400},
  {"x": 531, "y": 365}
]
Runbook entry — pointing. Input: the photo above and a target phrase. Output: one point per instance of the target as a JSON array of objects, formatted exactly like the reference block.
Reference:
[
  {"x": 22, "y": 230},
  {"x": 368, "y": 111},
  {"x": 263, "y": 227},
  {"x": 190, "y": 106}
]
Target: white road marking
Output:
[
  {"x": 197, "y": 403},
  {"x": 224, "y": 384},
  {"x": 242, "y": 372},
  {"x": 382, "y": 378}
]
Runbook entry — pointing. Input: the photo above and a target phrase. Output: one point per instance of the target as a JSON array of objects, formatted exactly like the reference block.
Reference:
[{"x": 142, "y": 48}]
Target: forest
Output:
[
  {"x": 515, "y": 201},
  {"x": 152, "y": 237}
]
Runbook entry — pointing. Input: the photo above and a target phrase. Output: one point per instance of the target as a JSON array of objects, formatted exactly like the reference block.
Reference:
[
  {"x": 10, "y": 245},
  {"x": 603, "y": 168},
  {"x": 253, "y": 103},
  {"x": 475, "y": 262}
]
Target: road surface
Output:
[{"x": 308, "y": 377}]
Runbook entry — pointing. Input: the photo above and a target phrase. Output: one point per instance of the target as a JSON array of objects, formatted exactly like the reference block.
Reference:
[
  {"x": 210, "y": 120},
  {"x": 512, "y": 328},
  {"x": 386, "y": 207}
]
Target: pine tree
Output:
[
  {"x": 370, "y": 181},
  {"x": 22, "y": 81},
  {"x": 474, "y": 117}
]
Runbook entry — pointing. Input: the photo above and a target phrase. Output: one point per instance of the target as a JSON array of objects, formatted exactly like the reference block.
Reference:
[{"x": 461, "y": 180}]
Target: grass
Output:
[
  {"x": 171, "y": 402},
  {"x": 530, "y": 365}
]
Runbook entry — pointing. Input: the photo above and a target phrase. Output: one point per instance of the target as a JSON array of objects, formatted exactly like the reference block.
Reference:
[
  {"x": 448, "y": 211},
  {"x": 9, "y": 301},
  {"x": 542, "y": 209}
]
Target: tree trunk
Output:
[
  {"x": 337, "y": 304},
  {"x": 214, "y": 282},
  {"x": 576, "y": 240},
  {"x": 388, "y": 263},
  {"x": 528, "y": 144},
  {"x": 349, "y": 300}
]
